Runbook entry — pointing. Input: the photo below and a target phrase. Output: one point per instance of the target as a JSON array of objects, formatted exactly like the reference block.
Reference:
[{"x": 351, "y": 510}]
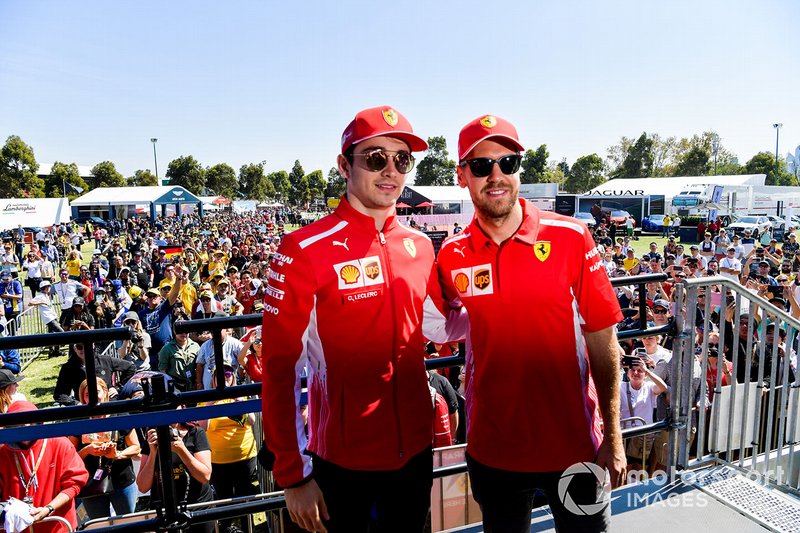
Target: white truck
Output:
[{"x": 713, "y": 201}]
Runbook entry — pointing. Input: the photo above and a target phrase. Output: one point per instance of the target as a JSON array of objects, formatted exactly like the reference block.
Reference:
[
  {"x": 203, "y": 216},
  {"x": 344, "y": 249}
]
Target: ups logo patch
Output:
[{"x": 482, "y": 279}]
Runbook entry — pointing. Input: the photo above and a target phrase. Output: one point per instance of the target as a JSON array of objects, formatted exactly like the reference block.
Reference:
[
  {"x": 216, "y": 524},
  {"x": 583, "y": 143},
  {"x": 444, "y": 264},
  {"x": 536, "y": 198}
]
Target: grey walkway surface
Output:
[{"x": 655, "y": 508}]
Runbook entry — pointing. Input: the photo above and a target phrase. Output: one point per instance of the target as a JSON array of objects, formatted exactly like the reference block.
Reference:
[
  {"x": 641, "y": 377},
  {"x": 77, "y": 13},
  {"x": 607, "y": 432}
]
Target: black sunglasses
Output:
[
  {"x": 377, "y": 159},
  {"x": 482, "y": 166}
]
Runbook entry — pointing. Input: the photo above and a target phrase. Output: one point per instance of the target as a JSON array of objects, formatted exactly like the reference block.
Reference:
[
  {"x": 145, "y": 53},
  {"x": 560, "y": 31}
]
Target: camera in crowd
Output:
[
  {"x": 136, "y": 338},
  {"x": 631, "y": 360},
  {"x": 637, "y": 358}
]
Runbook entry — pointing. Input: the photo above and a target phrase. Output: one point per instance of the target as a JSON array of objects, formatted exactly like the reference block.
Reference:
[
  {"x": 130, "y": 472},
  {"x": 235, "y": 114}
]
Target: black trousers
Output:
[
  {"x": 33, "y": 285},
  {"x": 506, "y": 499},
  {"x": 393, "y": 501},
  {"x": 234, "y": 479},
  {"x": 54, "y": 327}
]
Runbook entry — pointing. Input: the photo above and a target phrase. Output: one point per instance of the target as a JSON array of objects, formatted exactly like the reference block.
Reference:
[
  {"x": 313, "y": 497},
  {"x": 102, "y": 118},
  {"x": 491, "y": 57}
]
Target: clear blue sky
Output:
[{"x": 239, "y": 82}]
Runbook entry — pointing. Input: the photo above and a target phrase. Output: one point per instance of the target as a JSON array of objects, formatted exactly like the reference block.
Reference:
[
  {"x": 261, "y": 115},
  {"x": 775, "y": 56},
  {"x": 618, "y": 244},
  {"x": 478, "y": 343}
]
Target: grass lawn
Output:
[{"x": 40, "y": 379}]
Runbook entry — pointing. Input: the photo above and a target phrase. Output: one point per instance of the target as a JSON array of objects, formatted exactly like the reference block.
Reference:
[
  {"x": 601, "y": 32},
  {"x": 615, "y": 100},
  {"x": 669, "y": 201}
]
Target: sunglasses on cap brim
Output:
[{"x": 482, "y": 166}]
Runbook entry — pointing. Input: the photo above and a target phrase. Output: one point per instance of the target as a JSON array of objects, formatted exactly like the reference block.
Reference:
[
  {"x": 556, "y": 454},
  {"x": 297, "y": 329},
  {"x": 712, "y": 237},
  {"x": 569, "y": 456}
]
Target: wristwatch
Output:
[{"x": 51, "y": 509}]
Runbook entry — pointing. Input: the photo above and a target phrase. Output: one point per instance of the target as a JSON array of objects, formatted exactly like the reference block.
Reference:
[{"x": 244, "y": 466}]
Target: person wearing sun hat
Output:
[
  {"x": 550, "y": 267},
  {"x": 346, "y": 297}
]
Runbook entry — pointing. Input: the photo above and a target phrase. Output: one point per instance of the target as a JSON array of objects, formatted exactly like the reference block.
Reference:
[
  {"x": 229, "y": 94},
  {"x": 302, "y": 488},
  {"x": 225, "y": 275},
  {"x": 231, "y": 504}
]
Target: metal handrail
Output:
[{"x": 774, "y": 419}]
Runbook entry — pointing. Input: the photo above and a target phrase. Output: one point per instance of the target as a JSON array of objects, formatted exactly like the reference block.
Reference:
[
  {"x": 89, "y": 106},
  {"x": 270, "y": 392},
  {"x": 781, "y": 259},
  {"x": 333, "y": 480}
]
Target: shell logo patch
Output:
[
  {"x": 461, "y": 281},
  {"x": 410, "y": 247},
  {"x": 350, "y": 274},
  {"x": 541, "y": 250},
  {"x": 359, "y": 273},
  {"x": 473, "y": 281},
  {"x": 390, "y": 116},
  {"x": 489, "y": 121}
]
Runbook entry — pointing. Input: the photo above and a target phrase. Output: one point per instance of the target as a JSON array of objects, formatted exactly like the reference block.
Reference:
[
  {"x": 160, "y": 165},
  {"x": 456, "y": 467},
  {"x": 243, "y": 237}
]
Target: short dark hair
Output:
[{"x": 348, "y": 154}]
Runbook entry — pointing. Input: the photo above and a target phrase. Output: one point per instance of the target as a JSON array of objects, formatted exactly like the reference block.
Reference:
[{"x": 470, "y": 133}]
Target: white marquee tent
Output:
[{"x": 33, "y": 212}]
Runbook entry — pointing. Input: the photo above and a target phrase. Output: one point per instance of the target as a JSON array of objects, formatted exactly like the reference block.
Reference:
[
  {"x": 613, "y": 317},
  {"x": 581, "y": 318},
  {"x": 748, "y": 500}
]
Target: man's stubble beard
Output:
[{"x": 496, "y": 211}]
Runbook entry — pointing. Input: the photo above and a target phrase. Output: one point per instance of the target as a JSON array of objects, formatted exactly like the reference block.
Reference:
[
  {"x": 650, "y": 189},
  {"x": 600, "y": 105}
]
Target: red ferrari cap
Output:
[
  {"x": 377, "y": 121},
  {"x": 485, "y": 127}
]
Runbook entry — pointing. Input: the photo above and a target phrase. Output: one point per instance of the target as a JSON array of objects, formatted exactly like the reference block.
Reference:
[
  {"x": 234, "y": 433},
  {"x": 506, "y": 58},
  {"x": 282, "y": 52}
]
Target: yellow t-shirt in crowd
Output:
[
  {"x": 630, "y": 264},
  {"x": 230, "y": 441},
  {"x": 74, "y": 267}
]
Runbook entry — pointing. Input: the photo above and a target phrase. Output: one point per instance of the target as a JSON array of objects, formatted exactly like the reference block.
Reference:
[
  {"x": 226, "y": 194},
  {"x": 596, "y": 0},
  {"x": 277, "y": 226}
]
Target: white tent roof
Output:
[
  {"x": 33, "y": 212},
  {"x": 669, "y": 187},
  {"x": 124, "y": 195},
  {"x": 442, "y": 194}
]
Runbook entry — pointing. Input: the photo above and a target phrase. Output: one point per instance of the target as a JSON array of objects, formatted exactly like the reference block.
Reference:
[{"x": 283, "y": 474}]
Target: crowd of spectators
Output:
[
  {"x": 770, "y": 270},
  {"x": 149, "y": 276}
]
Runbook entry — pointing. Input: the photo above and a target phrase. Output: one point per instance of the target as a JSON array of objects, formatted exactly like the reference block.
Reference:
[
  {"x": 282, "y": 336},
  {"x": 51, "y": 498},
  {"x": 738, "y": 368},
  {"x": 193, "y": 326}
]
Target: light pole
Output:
[
  {"x": 155, "y": 158},
  {"x": 715, "y": 150},
  {"x": 777, "y": 137}
]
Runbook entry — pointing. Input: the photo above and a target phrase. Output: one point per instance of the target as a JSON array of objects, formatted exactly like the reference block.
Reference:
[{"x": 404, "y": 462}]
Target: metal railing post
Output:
[
  {"x": 166, "y": 481},
  {"x": 679, "y": 410}
]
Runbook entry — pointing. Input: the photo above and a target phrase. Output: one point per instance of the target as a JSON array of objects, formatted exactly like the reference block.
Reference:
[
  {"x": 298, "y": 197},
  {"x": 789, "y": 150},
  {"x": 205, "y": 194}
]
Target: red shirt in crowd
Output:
[{"x": 60, "y": 470}]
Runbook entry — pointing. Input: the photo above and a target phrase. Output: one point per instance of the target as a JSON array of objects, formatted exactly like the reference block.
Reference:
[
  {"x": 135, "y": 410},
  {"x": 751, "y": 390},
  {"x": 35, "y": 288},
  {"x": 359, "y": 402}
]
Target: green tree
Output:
[
  {"x": 336, "y": 184},
  {"x": 188, "y": 173},
  {"x": 534, "y": 165},
  {"x": 254, "y": 183},
  {"x": 316, "y": 184},
  {"x": 616, "y": 154},
  {"x": 729, "y": 167},
  {"x": 61, "y": 173},
  {"x": 301, "y": 194},
  {"x": 18, "y": 168},
  {"x": 436, "y": 168},
  {"x": 296, "y": 176},
  {"x": 143, "y": 178},
  {"x": 222, "y": 180},
  {"x": 663, "y": 155},
  {"x": 639, "y": 160},
  {"x": 695, "y": 162},
  {"x": 280, "y": 184},
  {"x": 554, "y": 173},
  {"x": 563, "y": 166},
  {"x": 764, "y": 163},
  {"x": 586, "y": 174},
  {"x": 105, "y": 175}
]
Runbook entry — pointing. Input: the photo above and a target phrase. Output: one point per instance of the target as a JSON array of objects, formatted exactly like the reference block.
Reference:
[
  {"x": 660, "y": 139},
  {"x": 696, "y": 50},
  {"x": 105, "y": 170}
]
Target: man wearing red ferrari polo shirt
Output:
[
  {"x": 346, "y": 299},
  {"x": 542, "y": 354}
]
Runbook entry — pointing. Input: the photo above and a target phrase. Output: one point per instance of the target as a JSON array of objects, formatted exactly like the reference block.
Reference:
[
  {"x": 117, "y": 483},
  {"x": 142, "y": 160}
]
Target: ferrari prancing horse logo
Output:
[
  {"x": 390, "y": 116},
  {"x": 489, "y": 121},
  {"x": 542, "y": 250}
]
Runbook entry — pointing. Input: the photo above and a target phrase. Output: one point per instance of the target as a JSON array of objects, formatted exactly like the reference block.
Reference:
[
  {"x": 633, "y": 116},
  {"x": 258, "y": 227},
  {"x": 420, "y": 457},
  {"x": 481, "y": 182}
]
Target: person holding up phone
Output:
[{"x": 637, "y": 401}]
